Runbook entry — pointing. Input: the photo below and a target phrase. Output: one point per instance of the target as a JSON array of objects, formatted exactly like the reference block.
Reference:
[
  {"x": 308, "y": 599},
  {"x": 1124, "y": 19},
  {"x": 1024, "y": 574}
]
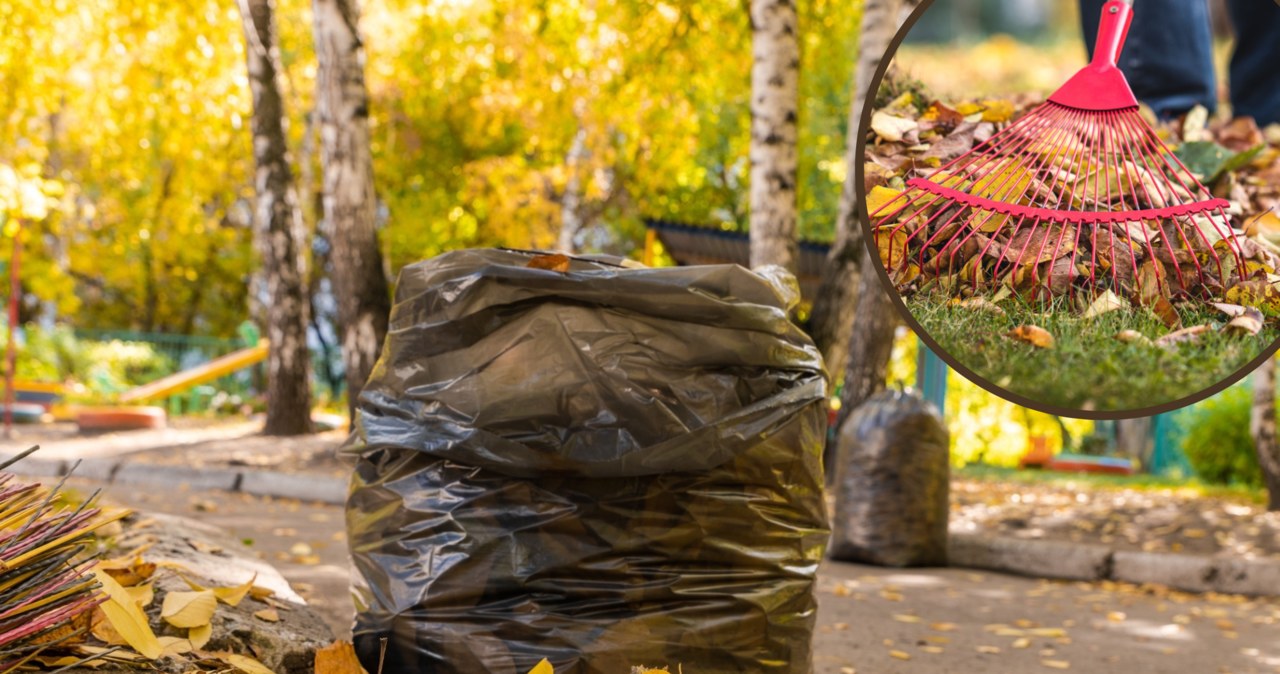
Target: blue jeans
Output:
[{"x": 1168, "y": 57}]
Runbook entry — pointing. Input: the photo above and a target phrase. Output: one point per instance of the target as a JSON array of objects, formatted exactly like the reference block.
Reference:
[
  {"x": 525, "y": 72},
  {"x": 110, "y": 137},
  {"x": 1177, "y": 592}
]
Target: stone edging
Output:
[{"x": 1083, "y": 561}]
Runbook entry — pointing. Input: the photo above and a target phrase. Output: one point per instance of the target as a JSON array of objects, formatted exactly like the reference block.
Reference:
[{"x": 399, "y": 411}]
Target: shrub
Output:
[{"x": 1217, "y": 441}]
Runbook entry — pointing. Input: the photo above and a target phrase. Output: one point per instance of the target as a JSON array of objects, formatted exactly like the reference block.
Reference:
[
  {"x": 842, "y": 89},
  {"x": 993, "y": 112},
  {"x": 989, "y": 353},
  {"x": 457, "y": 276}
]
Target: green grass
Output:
[
  {"x": 1087, "y": 368},
  {"x": 1097, "y": 481}
]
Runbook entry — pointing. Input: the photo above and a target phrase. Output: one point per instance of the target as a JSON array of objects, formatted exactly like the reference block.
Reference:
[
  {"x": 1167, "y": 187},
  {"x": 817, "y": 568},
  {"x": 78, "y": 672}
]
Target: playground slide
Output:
[{"x": 214, "y": 369}]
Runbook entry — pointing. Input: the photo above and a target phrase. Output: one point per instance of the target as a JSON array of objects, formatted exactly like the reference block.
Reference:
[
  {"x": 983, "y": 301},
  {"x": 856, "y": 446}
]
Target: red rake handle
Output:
[
  {"x": 1100, "y": 85},
  {"x": 1112, "y": 30}
]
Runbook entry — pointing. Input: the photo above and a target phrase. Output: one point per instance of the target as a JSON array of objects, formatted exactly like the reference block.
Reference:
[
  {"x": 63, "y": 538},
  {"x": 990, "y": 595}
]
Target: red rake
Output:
[{"x": 1078, "y": 193}]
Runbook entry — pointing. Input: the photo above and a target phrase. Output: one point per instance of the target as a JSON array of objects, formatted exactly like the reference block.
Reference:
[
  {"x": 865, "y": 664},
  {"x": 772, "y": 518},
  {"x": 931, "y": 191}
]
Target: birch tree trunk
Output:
[
  {"x": 571, "y": 221},
  {"x": 279, "y": 232},
  {"x": 775, "y": 76},
  {"x": 350, "y": 203},
  {"x": 831, "y": 321},
  {"x": 1262, "y": 426}
]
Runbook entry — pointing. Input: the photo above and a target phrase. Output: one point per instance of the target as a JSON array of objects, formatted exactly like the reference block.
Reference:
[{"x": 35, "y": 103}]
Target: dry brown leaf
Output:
[
  {"x": 553, "y": 262},
  {"x": 1183, "y": 336},
  {"x": 1163, "y": 309},
  {"x": 1249, "y": 323},
  {"x": 1033, "y": 335}
]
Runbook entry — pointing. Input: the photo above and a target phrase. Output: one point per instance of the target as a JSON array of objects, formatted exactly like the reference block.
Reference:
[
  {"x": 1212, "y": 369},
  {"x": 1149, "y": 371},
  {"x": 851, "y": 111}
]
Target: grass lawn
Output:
[{"x": 1087, "y": 368}]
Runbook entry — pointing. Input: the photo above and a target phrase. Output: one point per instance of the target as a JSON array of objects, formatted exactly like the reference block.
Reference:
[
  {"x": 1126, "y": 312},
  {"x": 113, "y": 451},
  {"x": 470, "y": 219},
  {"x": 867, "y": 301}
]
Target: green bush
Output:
[
  {"x": 1217, "y": 442},
  {"x": 104, "y": 368}
]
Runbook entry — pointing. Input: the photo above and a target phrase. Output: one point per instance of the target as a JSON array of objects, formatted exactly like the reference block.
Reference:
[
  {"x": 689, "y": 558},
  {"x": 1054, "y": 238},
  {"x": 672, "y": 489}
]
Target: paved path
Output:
[{"x": 943, "y": 620}]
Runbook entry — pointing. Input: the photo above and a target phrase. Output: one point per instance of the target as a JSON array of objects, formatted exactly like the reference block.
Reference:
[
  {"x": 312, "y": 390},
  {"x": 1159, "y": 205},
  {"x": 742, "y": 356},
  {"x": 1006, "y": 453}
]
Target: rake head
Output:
[{"x": 1077, "y": 195}]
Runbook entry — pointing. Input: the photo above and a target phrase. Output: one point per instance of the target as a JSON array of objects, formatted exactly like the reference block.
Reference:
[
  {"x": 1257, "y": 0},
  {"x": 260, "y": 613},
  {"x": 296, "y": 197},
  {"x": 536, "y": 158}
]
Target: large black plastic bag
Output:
[
  {"x": 892, "y": 483},
  {"x": 606, "y": 467}
]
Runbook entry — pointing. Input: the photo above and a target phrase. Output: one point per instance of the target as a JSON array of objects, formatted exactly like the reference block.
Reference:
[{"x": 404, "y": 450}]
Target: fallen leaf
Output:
[
  {"x": 188, "y": 609},
  {"x": 231, "y": 596},
  {"x": 142, "y": 594},
  {"x": 1231, "y": 310},
  {"x": 878, "y": 197},
  {"x": 268, "y": 614},
  {"x": 1033, "y": 335},
  {"x": 1104, "y": 303},
  {"x": 339, "y": 657},
  {"x": 260, "y": 593},
  {"x": 1249, "y": 323},
  {"x": 1022, "y": 642},
  {"x": 553, "y": 262},
  {"x": 199, "y": 635},
  {"x": 988, "y": 650},
  {"x": 1164, "y": 310},
  {"x": 1132, "y": 337},
  {"x": 175, "y": 645},
  {"x": 981, "y": 304},
  {"x": 891, "y": 127},
  {"x": 900, "y": 655},
  {"x": 905, "y": 618},
  {"x": 1056, "y": 664},
  {"x": 543, "y": 667},
  {"x": 243, "y": 663},
  {"x": 1183, "y": 336},
  {"x": 127, "y": 618}
]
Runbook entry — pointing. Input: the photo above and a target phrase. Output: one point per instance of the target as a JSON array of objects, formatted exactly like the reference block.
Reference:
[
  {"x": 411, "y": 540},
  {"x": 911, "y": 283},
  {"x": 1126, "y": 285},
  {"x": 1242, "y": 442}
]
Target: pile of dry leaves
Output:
[{"x": 931, "y": 240}]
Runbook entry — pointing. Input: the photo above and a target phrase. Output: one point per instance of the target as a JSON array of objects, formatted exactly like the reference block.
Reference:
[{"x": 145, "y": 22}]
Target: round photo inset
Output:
[{"x": 1053, "y": 238}]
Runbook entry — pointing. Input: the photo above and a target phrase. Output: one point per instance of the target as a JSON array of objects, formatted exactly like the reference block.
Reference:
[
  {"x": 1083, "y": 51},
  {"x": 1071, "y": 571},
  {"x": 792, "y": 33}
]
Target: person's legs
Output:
[
  {"x": 1255, "y": 63},
  {"x": 1168, "y": 56}
]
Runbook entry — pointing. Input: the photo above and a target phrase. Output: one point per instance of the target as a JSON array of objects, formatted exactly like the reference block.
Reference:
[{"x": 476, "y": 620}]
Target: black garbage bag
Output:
[
  {"x": 892, "y": 483},
  {"x": 604, "y": 467}
]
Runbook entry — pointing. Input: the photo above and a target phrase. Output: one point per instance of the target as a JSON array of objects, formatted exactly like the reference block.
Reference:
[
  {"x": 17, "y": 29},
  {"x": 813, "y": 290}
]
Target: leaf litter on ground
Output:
[{"x": 1237, "y": 161}]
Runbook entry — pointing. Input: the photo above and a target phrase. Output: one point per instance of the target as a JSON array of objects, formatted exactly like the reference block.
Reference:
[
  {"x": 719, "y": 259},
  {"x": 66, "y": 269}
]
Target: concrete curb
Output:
[
  {"x": 1074, "y": 561},
  {"x": 317, "y": 488}
]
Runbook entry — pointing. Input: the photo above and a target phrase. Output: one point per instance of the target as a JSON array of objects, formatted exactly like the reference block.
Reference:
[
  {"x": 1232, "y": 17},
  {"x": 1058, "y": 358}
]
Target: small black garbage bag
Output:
[
  {"x": 604, "y": 467},
  {"x": 892, "y": 483}
]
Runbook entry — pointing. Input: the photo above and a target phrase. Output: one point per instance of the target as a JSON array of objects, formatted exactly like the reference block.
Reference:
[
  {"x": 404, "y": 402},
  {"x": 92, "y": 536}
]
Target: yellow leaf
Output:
[
  {"x": 127, "y": 618},
  {"x": 893, "y": 247},
  {"x": 199, "y": 635},
  {"x": 997, "y": 110},
  {"x": 904, "y": 618},
  {"x": 1033, "y": 335},
  {"x": 142, "y": 594},
  {"x": 1056, "y": 664},
  {"x": 188, "y": 609},
  {"x": 900, "y": 655},
  {"x": 338, "y": 657},
  {"x": 268, "y": 614},
  {"x": 231, "y": 596},
  {"x": 175, "y": 645},
  {"x": 879, "y": 196},
  {"x": 243, "y": 663},
  {"x": 543, "y": 667}
]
